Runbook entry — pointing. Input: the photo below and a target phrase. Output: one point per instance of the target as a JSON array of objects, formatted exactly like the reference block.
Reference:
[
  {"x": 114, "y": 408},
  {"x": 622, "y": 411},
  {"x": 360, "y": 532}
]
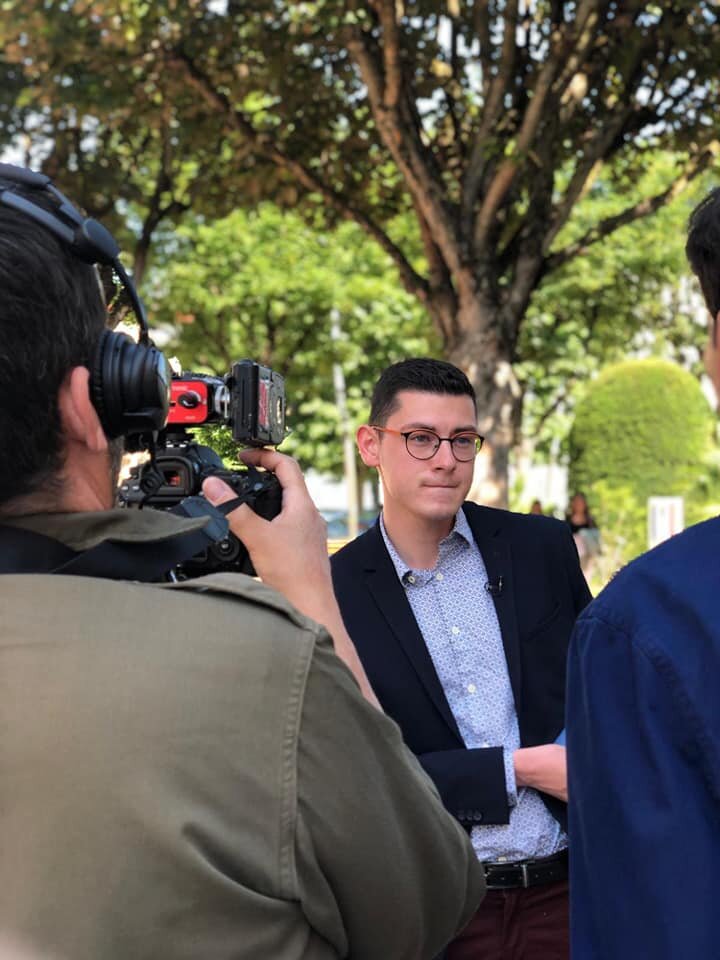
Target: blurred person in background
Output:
[{"x": 584, "y": 530}]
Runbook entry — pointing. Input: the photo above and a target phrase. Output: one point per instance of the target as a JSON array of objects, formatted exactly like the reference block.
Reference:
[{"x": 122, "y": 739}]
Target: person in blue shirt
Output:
[{"x": 643, "y": 729}]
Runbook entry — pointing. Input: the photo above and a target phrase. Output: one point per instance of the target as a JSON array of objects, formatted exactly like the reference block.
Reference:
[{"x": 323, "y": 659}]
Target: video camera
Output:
[{"x": 251, "y": 401}]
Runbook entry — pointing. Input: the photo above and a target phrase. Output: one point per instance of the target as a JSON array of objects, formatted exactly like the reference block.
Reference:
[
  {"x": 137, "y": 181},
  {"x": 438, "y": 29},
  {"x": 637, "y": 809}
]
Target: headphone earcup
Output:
[{"x": 129, "y": 386}]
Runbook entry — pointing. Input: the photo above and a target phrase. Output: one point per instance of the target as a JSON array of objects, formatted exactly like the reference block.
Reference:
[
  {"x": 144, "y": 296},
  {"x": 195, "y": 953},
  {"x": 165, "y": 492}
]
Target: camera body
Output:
[{"x": 251, "y": 401}]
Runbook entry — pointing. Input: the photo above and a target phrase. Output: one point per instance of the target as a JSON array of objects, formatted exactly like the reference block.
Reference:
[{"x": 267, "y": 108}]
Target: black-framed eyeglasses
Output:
[{"x": 424, "y": 444}]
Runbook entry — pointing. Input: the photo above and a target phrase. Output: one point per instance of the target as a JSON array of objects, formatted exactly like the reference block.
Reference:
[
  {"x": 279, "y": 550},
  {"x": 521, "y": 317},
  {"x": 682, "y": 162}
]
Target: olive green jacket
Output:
[{"x": 188, "y": 771}]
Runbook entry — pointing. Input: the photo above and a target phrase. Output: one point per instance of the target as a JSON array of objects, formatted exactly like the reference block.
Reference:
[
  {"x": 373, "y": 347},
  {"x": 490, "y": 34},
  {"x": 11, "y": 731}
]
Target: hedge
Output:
[{"x": 644, "y": 428}]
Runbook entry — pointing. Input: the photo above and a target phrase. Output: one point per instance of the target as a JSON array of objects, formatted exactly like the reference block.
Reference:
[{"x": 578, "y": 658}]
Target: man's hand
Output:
[
  {"x": 289, "y": 552},
  {"x": 544, "y": 768}
]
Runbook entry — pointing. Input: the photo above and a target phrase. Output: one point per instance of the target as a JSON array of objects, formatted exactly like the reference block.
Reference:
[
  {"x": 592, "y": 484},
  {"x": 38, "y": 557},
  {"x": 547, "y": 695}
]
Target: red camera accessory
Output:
[{"x": 188, "y": 402}]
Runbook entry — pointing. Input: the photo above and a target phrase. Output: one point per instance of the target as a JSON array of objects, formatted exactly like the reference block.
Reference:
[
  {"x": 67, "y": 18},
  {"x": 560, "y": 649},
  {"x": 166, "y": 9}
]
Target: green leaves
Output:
[
  {"x": 644, "y": 428},
  {"x": 622, "y": 296},
  {"x": 486, "y": 127},
  {"x": 264, "y": 285}
]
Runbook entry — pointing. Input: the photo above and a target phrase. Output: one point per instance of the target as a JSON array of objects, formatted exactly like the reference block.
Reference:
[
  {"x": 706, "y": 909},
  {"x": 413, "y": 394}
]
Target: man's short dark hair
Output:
[
  {"x": 703, "y": 249},
  {"x": 419, "y": 373},
  {"x": 52, "y": 314}
]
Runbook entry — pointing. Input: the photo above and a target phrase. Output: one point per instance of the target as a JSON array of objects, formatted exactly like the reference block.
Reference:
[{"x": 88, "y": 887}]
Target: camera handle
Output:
[{"x": 256, "y": 485}]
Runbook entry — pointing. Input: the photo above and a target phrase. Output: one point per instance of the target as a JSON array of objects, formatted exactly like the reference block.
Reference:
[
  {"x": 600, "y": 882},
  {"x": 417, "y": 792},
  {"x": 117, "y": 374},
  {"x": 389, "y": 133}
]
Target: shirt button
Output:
[
  {"x": 438, "y": 576},
  {"x": 411, "y": 579},
  {"x": 471, "y": 688},
  {"x": 455, "y": 631}
]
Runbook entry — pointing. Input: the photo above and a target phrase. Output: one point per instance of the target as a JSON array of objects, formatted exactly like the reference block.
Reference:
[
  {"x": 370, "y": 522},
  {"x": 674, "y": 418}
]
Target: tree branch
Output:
[
  {"x": 391, "y": 52},
  {"x": 267, "y": 147},
  {"x": 440, "y": 281},
  {"x": 491, "y": 111},
  {"x": 635, "y": 212},
  {"x": 559, "y": 399},
  {"x": 400, "y": 134},
  {"x": 594, "y": 153},
  {"x": 586, "y": 22},
  {"x": 528, "y": 128},
  {"x": 567, "y": 48},
  {"x": 481, "y": 19},
  {"x": 450, "y": 96},
  {"x": 609, "y": 129}
]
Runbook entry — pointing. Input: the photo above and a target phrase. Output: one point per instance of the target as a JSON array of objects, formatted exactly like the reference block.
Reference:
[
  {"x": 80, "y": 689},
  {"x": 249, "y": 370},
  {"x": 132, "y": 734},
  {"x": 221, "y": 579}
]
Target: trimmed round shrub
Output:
[{"x": 644, "y": 428}]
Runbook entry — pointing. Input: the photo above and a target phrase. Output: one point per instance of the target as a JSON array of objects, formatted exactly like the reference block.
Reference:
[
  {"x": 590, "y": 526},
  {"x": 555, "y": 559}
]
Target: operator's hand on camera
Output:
[{"x": 289, "y": 552}]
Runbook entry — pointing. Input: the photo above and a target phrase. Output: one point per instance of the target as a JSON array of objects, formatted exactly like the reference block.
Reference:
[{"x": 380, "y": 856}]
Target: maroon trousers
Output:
[{"x": 517, "y": 924}]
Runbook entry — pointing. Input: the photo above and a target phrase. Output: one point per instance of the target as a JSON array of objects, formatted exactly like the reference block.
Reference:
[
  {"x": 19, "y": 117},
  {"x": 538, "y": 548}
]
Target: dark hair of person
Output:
[
  {"x": 703, "y": 249},
  {"x": 419, "y": 373},
  {"x": 52, "y": 314},
  {"x": 589, "y": 520}
]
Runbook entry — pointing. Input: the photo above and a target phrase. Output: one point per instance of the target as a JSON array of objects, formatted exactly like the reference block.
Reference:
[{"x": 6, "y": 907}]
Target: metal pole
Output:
[{"x": 350, "y": 470}]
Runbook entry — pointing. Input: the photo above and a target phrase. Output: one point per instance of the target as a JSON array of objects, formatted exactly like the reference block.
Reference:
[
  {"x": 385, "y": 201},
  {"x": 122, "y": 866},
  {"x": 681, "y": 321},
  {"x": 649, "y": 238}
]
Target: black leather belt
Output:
[{"x": 526, "y": 873}]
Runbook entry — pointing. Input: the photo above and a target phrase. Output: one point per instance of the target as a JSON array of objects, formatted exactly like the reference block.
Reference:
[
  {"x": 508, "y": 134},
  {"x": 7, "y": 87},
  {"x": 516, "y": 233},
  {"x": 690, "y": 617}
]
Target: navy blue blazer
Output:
[{"x": 543, "y": 591}]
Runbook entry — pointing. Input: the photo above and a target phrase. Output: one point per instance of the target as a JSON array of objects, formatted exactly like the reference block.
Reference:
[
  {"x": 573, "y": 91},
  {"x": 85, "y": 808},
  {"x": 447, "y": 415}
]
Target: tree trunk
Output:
[{"x": 477, "y": 348}]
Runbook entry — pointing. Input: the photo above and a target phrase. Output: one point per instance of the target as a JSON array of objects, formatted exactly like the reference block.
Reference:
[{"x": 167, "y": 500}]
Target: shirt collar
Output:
[
  {"x": 82, "y": 531},
  {"x": 459, "y": 537}
]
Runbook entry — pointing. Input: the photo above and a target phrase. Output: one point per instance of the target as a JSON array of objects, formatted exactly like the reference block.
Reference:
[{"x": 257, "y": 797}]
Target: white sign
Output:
[{"x": 666, "y": 517}]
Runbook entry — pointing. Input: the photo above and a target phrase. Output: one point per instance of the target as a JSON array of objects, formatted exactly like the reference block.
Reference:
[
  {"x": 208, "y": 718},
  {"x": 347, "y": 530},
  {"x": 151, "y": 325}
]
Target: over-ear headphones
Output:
[{"x": 129, "y": 382}]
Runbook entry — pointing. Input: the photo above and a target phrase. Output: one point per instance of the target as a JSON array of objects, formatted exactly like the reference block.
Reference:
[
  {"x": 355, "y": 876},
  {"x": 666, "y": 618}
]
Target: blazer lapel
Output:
[
  {"x": 496, "y": 551},
  {"x": 388, "y": 593}
]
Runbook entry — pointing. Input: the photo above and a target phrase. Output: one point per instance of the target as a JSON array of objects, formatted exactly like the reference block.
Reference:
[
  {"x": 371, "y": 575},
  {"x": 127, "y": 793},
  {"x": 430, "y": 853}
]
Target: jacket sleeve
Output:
[
  {"x": 643, "y": 823},
  {"x": 382, "y": 869},
  {"x": 471, "y": 783}
]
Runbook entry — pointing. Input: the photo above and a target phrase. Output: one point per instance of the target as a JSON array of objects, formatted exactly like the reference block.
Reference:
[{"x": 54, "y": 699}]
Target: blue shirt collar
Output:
[{"x": 460, "y": 537}]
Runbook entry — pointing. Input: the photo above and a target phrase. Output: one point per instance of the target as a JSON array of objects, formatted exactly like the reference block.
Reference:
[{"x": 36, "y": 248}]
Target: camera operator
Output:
[{"x": 188, "y": 769}]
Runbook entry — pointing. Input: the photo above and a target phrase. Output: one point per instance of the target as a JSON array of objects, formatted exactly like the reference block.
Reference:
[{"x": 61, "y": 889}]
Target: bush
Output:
[{"x": 644, "y": 428}]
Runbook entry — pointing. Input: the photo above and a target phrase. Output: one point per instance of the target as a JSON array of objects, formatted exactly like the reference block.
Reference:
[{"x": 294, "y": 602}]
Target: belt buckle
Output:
[{"x": 525, "y": 877}]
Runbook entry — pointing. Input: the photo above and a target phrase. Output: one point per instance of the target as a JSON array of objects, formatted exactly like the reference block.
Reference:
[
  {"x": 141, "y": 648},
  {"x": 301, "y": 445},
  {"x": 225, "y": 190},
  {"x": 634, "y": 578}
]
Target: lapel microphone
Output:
[{"x": 494, "y": 587}]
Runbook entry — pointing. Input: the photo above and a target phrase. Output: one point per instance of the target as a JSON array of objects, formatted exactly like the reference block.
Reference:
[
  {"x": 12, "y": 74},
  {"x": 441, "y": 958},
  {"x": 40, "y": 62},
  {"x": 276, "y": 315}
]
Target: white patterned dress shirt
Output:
[{"x": 456, "y": 616}]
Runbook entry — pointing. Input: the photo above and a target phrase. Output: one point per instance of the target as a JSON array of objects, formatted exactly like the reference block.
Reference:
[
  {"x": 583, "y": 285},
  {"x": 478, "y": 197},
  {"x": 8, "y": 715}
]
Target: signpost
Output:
[{"x": 666, "y": 517}]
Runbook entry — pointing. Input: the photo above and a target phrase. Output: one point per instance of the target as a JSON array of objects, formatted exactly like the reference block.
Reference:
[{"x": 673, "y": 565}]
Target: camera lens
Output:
[{"x": 226, "y": 550}]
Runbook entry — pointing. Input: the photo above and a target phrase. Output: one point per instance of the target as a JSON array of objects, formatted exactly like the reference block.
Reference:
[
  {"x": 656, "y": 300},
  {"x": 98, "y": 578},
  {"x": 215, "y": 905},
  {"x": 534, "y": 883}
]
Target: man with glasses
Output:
[{"x": 461, "y": 615}]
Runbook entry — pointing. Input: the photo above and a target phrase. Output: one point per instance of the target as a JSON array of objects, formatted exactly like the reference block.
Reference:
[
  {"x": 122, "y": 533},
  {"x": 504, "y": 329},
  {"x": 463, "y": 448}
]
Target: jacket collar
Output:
[
  {"x": 490, "y": 528},
  {"x": 490, "y": 531}
]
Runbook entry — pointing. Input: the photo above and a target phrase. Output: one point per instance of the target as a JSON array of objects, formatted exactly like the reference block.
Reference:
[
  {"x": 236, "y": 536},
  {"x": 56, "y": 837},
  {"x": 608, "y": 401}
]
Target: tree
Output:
[
  {"x": 265, "y": 285},
  {"x": 488, "y": 119},
  {"x": 630, "y": 295}
]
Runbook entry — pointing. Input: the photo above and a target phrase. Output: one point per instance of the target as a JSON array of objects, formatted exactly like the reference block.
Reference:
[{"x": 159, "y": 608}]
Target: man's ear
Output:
[
  {"x": 368, "y": 441},
  {"x": 78, "y": 416}
]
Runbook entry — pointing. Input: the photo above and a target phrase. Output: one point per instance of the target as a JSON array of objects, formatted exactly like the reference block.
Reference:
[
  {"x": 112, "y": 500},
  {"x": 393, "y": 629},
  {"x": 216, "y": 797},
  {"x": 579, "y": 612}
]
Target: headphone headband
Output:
[{"x": 130, "y": 382}]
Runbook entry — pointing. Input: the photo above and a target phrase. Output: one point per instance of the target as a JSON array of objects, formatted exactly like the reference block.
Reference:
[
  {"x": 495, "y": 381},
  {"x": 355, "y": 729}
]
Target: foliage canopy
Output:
[
  {"x": 265, "y": 285},
  {"x": 488, "y": 120}
]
